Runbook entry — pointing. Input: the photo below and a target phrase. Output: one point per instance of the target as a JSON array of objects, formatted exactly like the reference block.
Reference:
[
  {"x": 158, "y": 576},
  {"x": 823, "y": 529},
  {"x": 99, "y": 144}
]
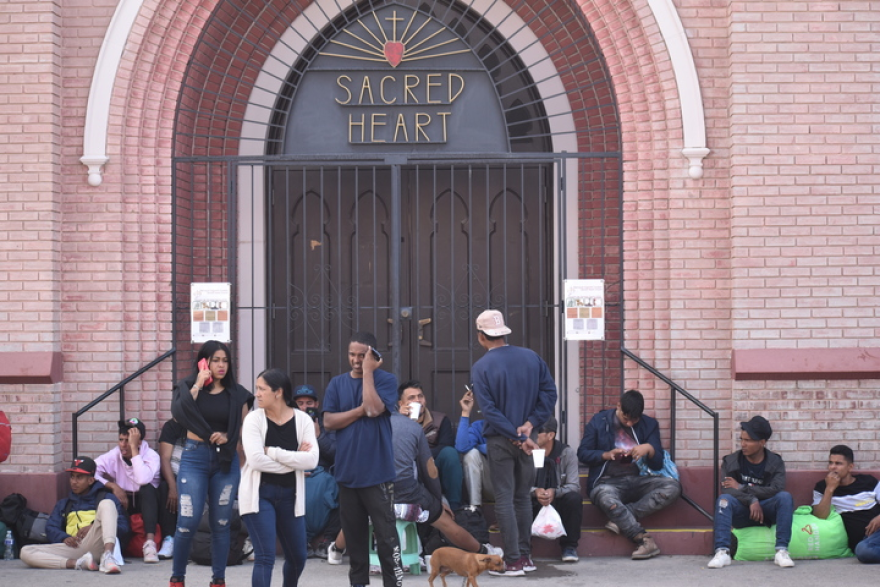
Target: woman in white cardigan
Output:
[{"x": 279, "y": 444}]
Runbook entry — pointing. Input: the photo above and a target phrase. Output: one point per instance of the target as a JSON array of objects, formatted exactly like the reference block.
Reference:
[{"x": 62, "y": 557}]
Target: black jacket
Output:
[{"x": 774, "y": 478}]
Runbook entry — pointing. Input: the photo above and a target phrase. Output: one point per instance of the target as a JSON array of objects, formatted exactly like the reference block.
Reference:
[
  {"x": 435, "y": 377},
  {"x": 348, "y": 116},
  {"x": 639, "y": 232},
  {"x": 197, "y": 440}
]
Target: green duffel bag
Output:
[{"x": 811, "y": 538}]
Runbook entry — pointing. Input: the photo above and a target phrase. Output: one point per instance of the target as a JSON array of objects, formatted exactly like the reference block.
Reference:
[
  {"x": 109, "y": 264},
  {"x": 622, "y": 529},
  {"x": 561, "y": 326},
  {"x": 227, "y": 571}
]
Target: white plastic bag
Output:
[{"x": 548, "y": 524}]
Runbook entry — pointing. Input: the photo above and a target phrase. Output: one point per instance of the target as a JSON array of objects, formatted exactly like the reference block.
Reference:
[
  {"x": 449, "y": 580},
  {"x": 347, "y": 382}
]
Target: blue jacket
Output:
[
  {"x": 470, "y": 436},
  {"x": 599, "y": 438},
  {"x": 57, "y": 524}
]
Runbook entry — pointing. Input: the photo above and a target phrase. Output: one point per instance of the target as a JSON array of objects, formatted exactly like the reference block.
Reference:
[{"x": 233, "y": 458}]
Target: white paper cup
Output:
[
  {"x": 414, "y": 409},
  {"x": 538, "y": 455}
]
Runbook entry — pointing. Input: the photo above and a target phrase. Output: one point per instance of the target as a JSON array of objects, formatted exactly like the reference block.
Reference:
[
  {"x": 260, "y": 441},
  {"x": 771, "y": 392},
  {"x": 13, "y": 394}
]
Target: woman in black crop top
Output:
[{"x": 211, "y": 406}]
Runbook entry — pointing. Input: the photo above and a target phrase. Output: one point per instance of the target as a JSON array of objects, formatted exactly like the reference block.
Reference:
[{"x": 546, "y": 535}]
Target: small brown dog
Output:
[{"x": 464, "y": 564}]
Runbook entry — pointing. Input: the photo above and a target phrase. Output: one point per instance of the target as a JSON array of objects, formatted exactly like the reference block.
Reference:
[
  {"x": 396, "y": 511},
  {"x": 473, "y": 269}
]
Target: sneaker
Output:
[
  {"x": 570, "y": 555},
  {"x": 334, "y": 557},
  {"x": 647, "y": 549},
  {"x": 528, "y": 565},
  {"x": 86, "y": 563},
  {"x": 215, "y": 582},
  {"x": 783, "y": 559},
  {"x": 612, "y": 527},
  {"x": 109, "y": 565},
  {"x": 514, "y": 569},
  {"x": 248, "y": 548},
  {"x": 150, "y": 554},
  {"x": 494, "y": 550},
  {"x": 176, "y": 582},
  {"x": 310, "y": 553},
  {"x": 321, "y": 550},
  {"x": 167, "y": 550},
  {"x": 721, "y": 559},
  {"x": 376, "y": 570}
]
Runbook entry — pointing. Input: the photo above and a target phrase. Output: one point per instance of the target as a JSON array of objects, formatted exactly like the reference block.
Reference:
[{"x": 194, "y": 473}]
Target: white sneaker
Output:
[
  {"x": 108, "y": 564},
  {"x": 334, "y": 557},
  {"x": 494, "y": 550},
  {"x": 721, "y": 559},
  {"x": 783, "y": 559},
  {"x": 248, "y": 548},
  {"x": 86, "y": 563},
  {"x": 167, "y": 550},
  {"x": 150, "y": 554}
]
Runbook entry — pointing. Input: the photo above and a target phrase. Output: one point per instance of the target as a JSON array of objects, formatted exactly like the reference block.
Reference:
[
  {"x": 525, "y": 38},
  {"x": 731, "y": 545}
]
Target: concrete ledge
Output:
[
  {"x": 793, "y": 364},
  {"x": 42, "y": 490},
  {"x": 31, "y": 367}
]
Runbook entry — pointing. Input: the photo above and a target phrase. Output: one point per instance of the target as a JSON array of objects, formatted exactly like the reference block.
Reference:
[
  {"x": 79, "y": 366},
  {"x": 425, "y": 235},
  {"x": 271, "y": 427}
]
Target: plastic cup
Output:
[
  {"x": 414, "y": 409},
  {"x": 538, "y": 455}
]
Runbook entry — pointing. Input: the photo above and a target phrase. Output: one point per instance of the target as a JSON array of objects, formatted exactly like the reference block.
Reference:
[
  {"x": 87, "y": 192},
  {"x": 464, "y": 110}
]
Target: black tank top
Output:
[{"x": 215, "y": 409}]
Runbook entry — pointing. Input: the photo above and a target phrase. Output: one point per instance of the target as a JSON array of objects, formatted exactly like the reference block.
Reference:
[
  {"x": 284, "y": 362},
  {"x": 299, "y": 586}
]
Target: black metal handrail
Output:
[
  {"x": 120, "y": 387},
  {"x": 677, "y": 389}
]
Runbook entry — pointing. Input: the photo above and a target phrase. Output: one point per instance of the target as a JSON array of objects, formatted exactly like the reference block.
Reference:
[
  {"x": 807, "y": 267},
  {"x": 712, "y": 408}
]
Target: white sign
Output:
[
  {"x": 584, "y": 309},
  {"x": 210, "y": 313}
]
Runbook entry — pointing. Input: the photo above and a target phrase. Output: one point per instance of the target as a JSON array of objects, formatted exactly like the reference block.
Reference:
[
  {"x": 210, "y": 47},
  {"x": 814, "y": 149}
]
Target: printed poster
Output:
[
  {"x": 584, "y": 309},
  {"x": 210, "y": 313}
]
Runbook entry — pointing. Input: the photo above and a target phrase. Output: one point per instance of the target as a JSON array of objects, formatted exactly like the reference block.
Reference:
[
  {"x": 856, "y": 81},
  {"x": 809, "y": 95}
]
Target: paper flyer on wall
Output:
[
  {"x": 210, "y": 314},
  {"x": 584, "y": 309}
]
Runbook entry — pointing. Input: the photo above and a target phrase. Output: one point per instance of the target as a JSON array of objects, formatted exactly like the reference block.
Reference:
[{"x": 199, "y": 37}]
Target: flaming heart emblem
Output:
[{"x": 394, "y": 52}]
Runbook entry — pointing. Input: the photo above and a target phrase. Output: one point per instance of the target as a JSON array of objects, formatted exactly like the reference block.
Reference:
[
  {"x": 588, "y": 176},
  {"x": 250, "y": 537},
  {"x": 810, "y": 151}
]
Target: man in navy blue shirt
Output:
[
  {"x": 358, "y": 406},
  {"x": 517, "y": 394}
]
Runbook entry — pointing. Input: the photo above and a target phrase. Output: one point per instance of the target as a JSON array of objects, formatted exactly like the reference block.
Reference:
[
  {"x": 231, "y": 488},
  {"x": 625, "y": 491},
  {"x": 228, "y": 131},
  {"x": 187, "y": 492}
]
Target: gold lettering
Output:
[
  {"x": 374, "y": 122},
  {"x": 443, "y": 116},
  {"x": 401, "y": 124},
  {"x": 347, "y": 91},
  {"x": 428, "y": 85},
  {"x": 460, "y": 89},
  {"x": 352, "y": 123},
  {"x": 419, "y": 124},
  {"x": 382, "y": 89},
  {"x": 366, "y": 88},
  {"x": 410, "y": 82}
]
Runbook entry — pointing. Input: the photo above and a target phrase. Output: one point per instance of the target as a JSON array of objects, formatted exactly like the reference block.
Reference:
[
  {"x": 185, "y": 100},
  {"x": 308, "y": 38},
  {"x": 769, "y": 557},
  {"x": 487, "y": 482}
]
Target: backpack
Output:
[
  {"x": 31, "y": 527},
  {"x": 11, "y": 508},
  {"x": 201, "y": 544},
  {"x": 471, "y": 519},
  {"x": 5, "y": 436}
]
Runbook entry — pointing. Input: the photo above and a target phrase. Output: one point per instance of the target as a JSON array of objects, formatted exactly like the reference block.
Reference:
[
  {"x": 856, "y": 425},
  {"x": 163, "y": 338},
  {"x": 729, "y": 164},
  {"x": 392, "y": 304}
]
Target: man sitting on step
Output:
[
  {"x": 557, "y": 483},
  {"x": 613, "y": 440}
]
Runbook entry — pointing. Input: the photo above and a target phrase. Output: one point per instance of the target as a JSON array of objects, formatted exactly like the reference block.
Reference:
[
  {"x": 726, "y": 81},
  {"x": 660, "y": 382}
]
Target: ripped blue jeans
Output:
[{"x": 200, "y": 480}]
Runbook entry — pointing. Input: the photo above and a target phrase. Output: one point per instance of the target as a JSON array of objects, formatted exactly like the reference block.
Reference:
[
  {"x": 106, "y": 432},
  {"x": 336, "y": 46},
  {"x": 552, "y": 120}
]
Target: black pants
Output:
[
  {"x": 356, "y": 508},
  {"x": 571, "y": 509},
  {"x": 167, "y": 519},
  {"x": 146, "y": 503}
]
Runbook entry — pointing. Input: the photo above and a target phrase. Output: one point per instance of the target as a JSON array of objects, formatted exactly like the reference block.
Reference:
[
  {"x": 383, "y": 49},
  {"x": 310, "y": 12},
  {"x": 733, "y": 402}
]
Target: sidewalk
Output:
[{"x": 663, "y": 571}]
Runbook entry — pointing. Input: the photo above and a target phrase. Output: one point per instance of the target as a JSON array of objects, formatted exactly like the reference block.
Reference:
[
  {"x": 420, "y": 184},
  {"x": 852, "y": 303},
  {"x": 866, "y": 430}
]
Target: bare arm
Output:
[
  {"x": 823, "y": 509},
  {"x": 373, "y": 404},
  {"x": 339, "y": 420}
]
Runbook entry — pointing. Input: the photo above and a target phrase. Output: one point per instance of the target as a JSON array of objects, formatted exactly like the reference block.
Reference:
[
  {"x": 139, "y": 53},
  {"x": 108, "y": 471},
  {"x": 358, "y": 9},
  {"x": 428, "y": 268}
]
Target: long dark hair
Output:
[
  {"x": 206, "y": 352},
  {"x": 278, "y": 379}
]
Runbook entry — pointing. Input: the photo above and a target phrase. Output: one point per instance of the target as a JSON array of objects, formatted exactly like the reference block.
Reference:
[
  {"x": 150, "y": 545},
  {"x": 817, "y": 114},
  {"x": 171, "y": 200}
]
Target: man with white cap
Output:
[{"x": 517, "y": 394}]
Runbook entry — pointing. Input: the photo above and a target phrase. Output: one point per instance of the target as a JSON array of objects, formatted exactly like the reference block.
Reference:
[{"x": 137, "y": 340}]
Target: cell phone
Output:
[
  {"x": 376, "y": 354},
  {"x": 626, "y": 459},
  {"x": 313, "y": 413},
  {"x": 203, "y": 364}
]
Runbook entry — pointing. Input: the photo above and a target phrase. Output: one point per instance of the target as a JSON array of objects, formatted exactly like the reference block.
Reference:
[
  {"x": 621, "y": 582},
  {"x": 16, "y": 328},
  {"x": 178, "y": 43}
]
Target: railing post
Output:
[
  {"x": 122, "y": 403},
  {"x": 672, "y": 408},
  {"x": 75, "y": 433}
]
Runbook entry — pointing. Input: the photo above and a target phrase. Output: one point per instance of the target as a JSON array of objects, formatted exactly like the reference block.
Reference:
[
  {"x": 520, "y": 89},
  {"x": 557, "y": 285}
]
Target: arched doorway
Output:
[{"x": 410, "y": 217}]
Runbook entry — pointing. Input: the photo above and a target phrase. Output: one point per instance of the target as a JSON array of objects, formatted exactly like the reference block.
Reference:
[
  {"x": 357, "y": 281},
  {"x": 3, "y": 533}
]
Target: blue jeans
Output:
[
  {"x": 201, "y": 479},
  {"x": 276, "y": 518},
  {"x": 513, "y": 473},
  {"x": 626, "y": 500},
  {"x": 868, "y": 550},
  {"x": 448, "y": 463},
  {"x": 730, "y": 513}
]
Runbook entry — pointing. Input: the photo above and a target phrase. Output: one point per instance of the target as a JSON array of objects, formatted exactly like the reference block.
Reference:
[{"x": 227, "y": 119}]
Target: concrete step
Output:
[{"x": 594, "y": 542}]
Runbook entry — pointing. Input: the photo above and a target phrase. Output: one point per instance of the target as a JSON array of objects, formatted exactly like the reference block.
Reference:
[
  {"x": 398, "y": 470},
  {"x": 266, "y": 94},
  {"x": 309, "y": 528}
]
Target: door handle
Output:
[{"x": 422, "y": 323}]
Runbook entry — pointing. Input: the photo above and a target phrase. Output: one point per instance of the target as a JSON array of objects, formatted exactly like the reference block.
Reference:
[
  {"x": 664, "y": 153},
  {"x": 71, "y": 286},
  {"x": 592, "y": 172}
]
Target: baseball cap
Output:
[
  {"x": 83, "y": 465},
  {"x": 305, "y": 391},
  {"x": 491, "y": 322},
  {"x": 758, "y": 428},
  {"x": 129, "y": 423}
]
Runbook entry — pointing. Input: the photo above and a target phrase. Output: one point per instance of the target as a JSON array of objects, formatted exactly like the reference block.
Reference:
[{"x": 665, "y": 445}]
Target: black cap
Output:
[
  {"x": 758, "y": 428},
  {"x": 83, "y": 465},
  {"x": 305, "y": 391},
  {"x": 129, "y": 423}
]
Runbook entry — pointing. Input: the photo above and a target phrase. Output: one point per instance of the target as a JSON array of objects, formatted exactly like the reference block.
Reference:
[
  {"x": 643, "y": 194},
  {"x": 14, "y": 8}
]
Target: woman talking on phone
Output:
[
  {"x": 211, "y": 406},
  {"x": 279, "y": 445}
]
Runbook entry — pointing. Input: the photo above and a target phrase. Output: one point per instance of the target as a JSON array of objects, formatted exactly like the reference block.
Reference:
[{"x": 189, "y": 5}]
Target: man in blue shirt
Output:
[
  {"x": 517, "y": 394},
  {"x": 358, "y": 406},
  {"x": 471, "y": 443}
]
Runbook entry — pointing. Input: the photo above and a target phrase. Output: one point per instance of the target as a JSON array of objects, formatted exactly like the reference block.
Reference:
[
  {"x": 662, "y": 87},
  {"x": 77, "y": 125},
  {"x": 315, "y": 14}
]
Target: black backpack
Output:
[
  {"x": 471, "y": 519},
  {"x": 201, "y": 545},
  {"x": 28, "y": 526}
]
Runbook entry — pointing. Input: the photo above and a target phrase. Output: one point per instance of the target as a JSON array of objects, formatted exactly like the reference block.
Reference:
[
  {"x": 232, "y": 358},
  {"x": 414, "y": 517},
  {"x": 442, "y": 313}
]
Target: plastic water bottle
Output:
[{"x": 9, "y": 543}]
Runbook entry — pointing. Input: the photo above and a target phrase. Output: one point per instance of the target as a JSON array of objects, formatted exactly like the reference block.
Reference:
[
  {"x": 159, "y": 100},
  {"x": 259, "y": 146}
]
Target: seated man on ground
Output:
[
  {"x": 416, "y": 483},
  {"x": 613, "y": 440},
  {"x": 753, "y": 488},
  {"x": 440, "y": 437},
  {"x": 856, "y": 498},
  {"x": 470, "y": 442},
  {"x": 82, "y": 527},
  {"x": 171, "y": 443},
  {"x": 557, "y": 483},
  {"x": 131, "y": 472}
]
